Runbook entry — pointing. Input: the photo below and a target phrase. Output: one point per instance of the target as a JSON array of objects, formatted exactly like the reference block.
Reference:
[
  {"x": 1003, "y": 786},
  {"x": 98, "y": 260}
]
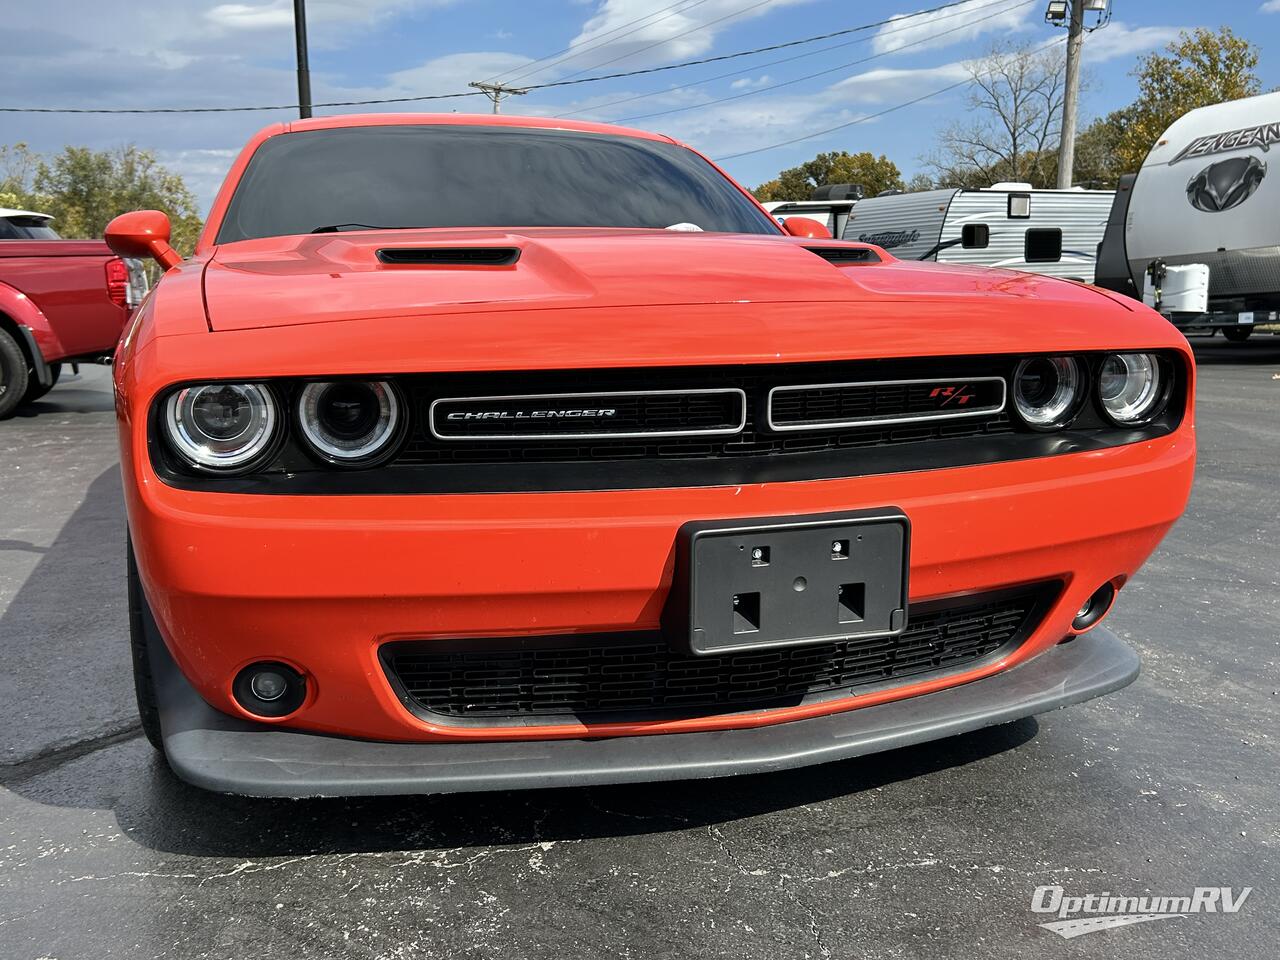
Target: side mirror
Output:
[
  {"x": 975, "y": 236},
  {"x": 806, "y": 227},
  {"x": 143, "y": 233}
]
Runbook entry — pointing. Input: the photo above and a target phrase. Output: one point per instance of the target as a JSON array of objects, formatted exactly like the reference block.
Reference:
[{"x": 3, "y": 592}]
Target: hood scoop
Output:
[
  {"x": 451, "y": 256},
  {"x": 845, "y": 254}
]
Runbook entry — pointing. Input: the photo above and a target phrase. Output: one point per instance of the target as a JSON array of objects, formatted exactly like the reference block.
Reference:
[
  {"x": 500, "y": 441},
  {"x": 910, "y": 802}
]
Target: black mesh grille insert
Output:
[
  {"x": 940, "y": 399},
  {"x": 623, "y": 676},
  {"x": 755, "y": 440}
]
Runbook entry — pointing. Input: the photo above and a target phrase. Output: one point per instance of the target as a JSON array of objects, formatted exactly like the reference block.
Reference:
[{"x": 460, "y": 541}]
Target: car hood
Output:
[{"x": 284, "y": 281}]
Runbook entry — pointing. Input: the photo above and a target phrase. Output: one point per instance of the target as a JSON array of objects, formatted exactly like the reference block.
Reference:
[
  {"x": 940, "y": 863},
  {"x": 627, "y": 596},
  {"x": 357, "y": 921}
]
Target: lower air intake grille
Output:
[{"x": 634, "y": 676}]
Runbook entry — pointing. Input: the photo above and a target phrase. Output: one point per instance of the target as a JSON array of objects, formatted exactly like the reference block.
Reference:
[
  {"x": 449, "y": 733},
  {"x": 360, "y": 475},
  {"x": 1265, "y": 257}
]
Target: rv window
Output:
[
  {"x": 1019, "y": 206},
  {"x": 975, "y": 236},
  {"x": 1043, "y": 245}
]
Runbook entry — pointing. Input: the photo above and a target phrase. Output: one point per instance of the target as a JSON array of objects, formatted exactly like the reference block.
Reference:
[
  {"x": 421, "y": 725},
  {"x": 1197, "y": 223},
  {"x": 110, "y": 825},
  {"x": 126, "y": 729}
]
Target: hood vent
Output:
[
  {"x": 451, "y": 256},
  {"x": 845, "y": 254}
]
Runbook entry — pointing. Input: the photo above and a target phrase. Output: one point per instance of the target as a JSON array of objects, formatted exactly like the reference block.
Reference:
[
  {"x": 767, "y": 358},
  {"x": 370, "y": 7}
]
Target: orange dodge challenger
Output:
[{"x": 476, "y": 452}]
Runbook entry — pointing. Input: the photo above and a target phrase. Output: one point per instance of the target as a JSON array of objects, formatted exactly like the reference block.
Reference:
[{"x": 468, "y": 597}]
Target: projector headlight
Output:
[
  {"x": 1131, "y": 387},
  {"x": 352, "y": 422},
  {"x": 221, "y": 426},
  {"x": 1046, "y": 390}
]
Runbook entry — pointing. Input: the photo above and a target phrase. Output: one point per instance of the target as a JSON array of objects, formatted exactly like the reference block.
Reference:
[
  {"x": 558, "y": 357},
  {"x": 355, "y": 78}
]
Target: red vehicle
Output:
[
  {"x": 449, "y": 468},
  {"x": 61, "y": 301}
]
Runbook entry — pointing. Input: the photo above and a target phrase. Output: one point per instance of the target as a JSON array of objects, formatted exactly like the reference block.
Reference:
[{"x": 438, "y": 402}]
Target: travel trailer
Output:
[
  {"x": 1052, "y": 232},
  {"x": 1196, "y": 233}
]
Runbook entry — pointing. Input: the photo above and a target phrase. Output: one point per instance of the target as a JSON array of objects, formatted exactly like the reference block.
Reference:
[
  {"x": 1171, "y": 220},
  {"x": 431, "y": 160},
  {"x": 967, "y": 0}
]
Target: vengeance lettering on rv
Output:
[{"x": 1262, "y": 136}]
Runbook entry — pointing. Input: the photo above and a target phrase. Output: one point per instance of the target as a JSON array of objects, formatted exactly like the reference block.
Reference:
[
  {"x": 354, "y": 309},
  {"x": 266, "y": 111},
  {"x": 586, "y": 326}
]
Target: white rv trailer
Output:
[
  {"x": 1052, "y": 232},
  {"x": 1201, "y": 222}
]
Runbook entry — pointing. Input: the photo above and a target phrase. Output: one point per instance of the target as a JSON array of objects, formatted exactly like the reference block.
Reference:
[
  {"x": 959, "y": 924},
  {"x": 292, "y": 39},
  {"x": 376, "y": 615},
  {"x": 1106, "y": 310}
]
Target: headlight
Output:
[
  {"x": 349, "y": 421},
  {"x": 1045, "y": 391},
  {"x": 1130, "y": 387},
  {"x": 221, "y": 426}
]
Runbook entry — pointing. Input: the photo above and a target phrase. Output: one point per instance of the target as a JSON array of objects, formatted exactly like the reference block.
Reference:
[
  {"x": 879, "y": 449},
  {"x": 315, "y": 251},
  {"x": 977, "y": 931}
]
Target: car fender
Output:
[{"x": 17, "y": 311}]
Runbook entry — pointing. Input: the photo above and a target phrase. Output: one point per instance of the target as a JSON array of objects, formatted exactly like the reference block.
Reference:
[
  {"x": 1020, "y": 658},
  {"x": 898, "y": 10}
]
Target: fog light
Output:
[
  {"x": 1095, "y": 608},
  {"x": 269, "y": 689},
  {"x": 268, "y": 685}
]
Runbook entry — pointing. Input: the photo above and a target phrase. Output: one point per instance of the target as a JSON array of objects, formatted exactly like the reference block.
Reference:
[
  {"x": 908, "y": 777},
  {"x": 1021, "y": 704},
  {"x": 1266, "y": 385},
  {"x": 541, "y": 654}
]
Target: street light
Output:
[{"x": 1071, "y": 14}]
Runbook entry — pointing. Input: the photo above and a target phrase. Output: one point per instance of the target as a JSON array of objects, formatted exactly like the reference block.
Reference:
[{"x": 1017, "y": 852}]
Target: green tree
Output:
[
  {"x": 87, "y": 188},
  {"x": 1198, "y": 69},
  {"x": 797, "y": 183},
  {"x": 84, "y": 189}
]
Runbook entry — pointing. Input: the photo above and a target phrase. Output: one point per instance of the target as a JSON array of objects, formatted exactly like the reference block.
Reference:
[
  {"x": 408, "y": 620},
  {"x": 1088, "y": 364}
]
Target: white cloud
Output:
[
  {"x": 746, "y": 83},
  {"x": 889, "y": 84},
  {"x": 661, "y": 35},
  {"x": 1119, "y": 39},
  {"x": 1271, "y": 6},
  {"x": 273, "y": 14},
  {"x": 973, "y": 19}
]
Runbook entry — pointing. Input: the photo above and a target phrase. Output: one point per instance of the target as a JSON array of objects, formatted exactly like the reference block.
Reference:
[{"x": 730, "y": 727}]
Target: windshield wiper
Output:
[{"x": 341, "y": 227}]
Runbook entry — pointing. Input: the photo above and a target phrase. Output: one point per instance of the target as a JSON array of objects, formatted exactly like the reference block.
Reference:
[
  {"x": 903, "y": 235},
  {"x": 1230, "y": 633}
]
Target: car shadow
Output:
[{"x": 106, "y": 764}]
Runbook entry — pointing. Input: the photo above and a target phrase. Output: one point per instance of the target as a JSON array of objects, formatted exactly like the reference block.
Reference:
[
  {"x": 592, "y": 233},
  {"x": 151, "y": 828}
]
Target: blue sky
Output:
[{"x": 81, "y": 53}]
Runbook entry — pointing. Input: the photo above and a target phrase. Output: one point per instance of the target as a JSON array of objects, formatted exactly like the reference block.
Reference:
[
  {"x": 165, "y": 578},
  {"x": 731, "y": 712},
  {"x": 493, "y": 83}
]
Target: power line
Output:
[
  {"x": 598, "y": 41},
  {"x": 843, "y": 66},
  {"x": 476, "y": 93},
  {"x": 278, "y": 106},
  {"x": 596, "y": 108},
  {"x": 658, "y": 43},
  {"x": 746, "y": 53},
  {"x": 873, "y": 116}
]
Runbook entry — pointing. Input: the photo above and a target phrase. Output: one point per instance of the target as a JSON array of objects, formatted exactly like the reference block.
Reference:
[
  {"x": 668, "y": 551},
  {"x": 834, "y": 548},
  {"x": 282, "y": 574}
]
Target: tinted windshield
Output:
[
  {"x": 26, "y": 228},
  {"x": 467, "y": 176}
]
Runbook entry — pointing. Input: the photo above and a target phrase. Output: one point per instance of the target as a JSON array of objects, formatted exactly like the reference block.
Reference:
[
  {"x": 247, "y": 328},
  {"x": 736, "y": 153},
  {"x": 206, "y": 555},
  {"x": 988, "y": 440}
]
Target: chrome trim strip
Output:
[
  {"x": 552, "y": 397},
  {"x": 880, "y": 421}
]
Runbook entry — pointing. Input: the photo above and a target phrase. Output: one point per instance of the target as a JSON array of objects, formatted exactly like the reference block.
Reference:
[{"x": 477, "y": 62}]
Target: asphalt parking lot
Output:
[{"x": 932, "y": 851}]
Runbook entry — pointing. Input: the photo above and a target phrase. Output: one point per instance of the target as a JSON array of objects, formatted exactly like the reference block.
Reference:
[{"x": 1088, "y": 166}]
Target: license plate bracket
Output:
[{"x": 787, "y": 581}]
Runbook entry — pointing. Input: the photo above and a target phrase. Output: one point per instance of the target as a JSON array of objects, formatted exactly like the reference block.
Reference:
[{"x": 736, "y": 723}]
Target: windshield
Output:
[
  {"x": 469, "y": 176},
  {"x": 26, "y": 228}
]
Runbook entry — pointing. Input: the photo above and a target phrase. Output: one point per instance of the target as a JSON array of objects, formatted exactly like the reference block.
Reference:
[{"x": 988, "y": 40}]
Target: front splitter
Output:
[{"x": 218, "y": 752}]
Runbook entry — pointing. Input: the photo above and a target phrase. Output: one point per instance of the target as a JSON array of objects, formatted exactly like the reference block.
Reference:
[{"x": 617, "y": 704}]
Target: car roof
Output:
[
  {"x": 466, "y": 119},
  {"x": 5, "y": 212}
]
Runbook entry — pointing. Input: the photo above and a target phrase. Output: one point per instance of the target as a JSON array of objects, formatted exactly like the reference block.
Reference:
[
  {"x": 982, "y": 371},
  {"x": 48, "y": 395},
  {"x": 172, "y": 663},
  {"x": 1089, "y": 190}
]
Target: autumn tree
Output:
[
  {"x": 83, "y": 189},
  {"x": 797, "y": 183},
  {"x": 1198, "y": 69}
]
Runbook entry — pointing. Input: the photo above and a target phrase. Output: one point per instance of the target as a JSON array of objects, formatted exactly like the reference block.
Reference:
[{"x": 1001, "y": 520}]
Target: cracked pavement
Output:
[{"x": 927, "y": 851}]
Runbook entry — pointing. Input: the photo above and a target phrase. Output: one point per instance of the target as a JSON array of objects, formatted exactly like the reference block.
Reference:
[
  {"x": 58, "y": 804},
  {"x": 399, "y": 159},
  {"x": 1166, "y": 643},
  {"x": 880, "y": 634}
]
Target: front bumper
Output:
[
  {"x": 322, "y": 583},
  {"x": 218, "y": 752}
]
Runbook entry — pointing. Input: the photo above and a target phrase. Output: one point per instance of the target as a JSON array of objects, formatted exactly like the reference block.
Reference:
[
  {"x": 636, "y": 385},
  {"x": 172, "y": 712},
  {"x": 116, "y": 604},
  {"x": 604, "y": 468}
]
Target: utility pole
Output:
[
  {"x": 304, "y": 71},
  {"x": 1067, "y": 146},
  {"x": 496, "y": 91}
]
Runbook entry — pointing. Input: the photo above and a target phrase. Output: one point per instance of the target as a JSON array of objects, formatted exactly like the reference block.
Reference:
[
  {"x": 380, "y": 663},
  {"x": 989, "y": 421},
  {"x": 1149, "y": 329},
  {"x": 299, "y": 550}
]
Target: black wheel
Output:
[
  {"x": 34, "y": 389},
  {"x": 13, "y": 374},
  {"x": 1237, "y": 334},
  {"x": 141, "y": 629}
]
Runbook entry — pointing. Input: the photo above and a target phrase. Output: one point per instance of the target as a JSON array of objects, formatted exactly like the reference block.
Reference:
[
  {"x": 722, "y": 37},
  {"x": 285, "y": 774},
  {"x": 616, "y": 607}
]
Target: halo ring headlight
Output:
[
  {"x": 1046, "y": 391},
  {"x": 221, "y": 426},
  {"x": 1131, "y": 387},
  {"x": 350, "y": 422}
]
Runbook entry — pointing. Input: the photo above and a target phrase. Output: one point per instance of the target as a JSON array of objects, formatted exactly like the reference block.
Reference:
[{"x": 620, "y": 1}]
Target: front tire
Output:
[
  {"x": 144, "y": 686},
  {"x": 13, "y": 374},
  {"x": 1237, "y": 334}
]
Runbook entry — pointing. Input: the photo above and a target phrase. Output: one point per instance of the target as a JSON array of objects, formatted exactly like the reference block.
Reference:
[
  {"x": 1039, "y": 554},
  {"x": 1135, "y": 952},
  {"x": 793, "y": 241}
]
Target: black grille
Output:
[
  {"x": 755, "y": 440},
  {"x": 940, "y": 399},
  {"x": 651, "y": 412},
  {"x": 638, "y": 675}
]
